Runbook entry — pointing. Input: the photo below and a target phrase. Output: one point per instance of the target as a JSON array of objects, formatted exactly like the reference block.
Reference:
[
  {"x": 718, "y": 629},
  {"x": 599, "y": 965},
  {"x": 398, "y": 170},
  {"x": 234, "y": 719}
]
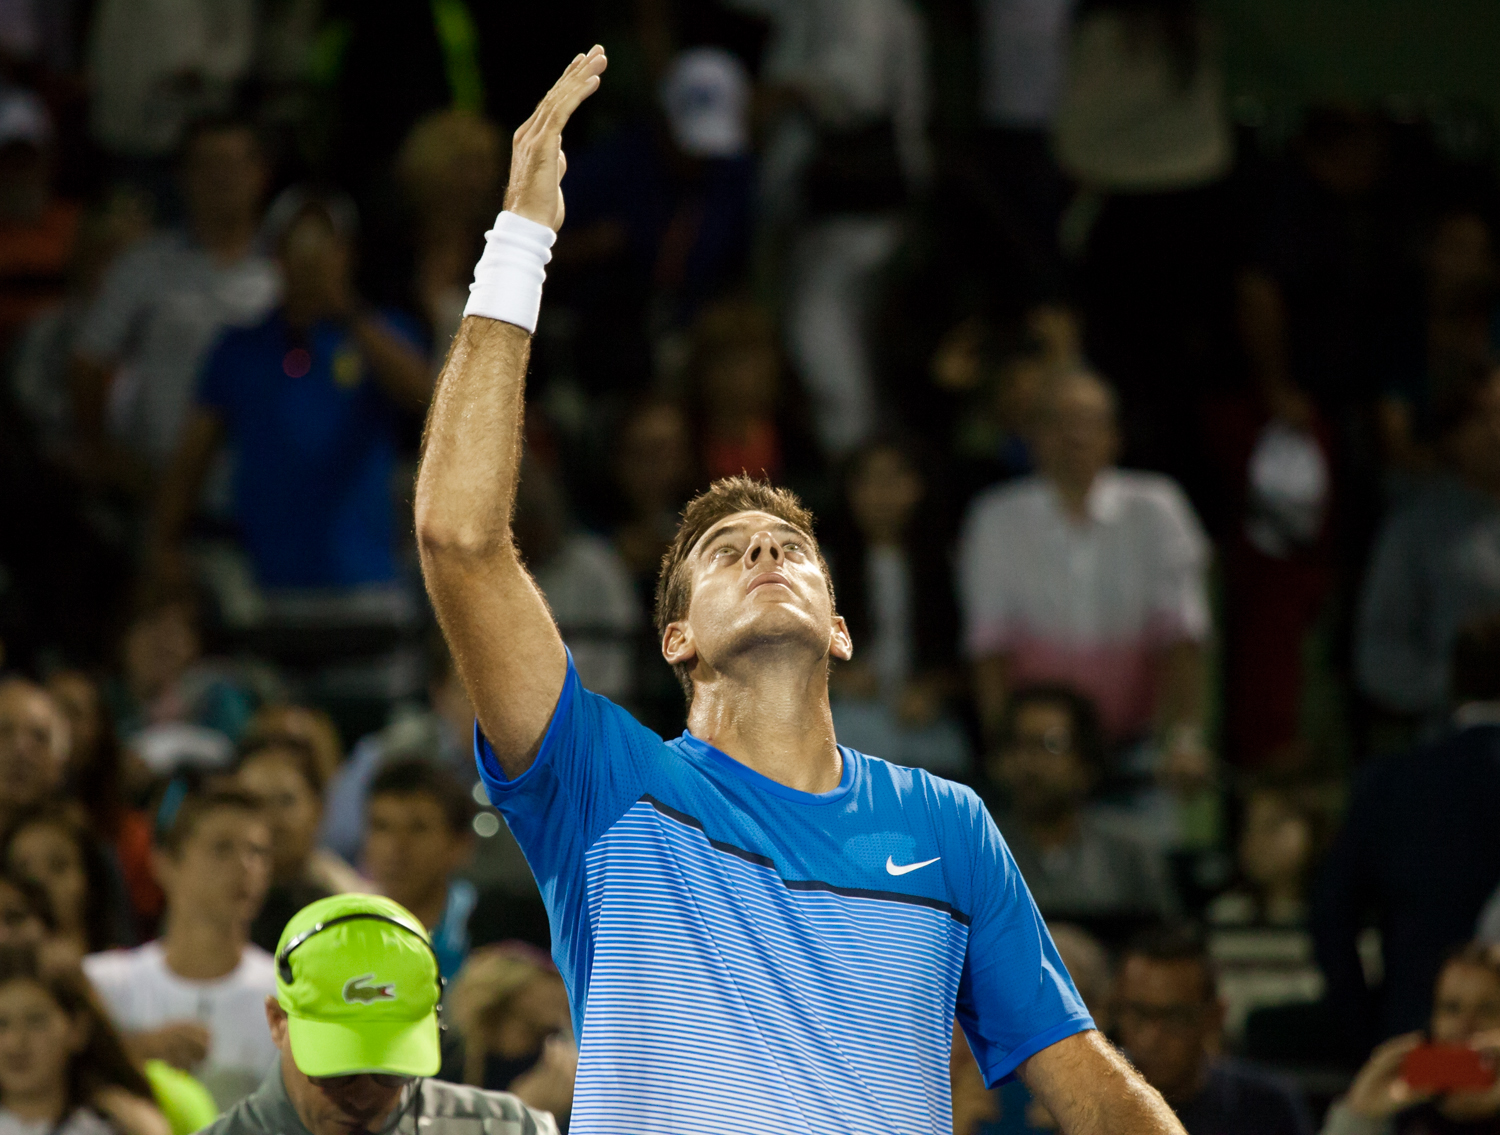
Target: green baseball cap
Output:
[{"x": 359, "y": 982}]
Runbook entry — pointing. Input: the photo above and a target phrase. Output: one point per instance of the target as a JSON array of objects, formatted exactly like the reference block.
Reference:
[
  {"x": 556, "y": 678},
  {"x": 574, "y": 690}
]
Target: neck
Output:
[
  {"x": 1074, "y": 495},
  {"x": 48, "y": 1102},
  {"x": 771, "y": 715},
  {"x": 202, "y": 949},
  {"x": 429, "y": 905},
  {"x": 227, "y": 239}
]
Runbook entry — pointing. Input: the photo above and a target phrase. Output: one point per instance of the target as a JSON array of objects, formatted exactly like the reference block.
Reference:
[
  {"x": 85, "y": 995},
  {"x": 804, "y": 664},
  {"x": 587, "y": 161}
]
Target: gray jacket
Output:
[{"x": 434, "y": 1107}]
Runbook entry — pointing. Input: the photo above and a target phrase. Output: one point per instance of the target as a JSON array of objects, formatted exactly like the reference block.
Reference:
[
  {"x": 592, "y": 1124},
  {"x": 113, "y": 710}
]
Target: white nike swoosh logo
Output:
[{"x": 892, "y": 869}]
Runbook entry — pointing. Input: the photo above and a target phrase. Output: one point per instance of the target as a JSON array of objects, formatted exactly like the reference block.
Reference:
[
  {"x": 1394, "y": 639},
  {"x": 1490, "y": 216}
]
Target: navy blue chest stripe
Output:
[{"x": 804, "y": 884}]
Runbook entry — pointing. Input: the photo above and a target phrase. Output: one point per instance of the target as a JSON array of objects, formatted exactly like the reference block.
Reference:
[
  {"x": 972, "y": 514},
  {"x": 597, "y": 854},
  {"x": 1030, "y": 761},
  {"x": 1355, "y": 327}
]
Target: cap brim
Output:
[{"x": 400, "y": 1048}]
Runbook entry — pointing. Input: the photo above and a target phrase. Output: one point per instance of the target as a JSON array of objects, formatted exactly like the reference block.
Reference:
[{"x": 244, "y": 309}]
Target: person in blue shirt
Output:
[
  {"x": 760, "y": 929},
  {"x": 306, "y": 401}
]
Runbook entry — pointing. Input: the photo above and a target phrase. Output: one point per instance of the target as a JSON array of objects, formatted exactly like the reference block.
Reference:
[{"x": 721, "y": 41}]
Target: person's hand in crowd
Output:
[
  {"x": 182, "y": 1044},
  {"x": 129, "y": 1114},
  {"x": 1379, "y": 1091},
  {"x": 548, "y": 1084},
  {"x": 1466, "y": 1107}
]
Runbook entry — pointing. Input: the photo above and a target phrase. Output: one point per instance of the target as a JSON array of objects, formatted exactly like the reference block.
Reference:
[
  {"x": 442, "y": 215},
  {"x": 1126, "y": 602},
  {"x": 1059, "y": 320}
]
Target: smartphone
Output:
[{"x": 1447, "y": 1068}]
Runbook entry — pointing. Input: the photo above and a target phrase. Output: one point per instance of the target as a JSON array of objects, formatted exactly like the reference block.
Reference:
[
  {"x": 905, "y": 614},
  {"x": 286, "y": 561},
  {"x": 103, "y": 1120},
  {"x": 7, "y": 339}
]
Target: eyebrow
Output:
[{"x": 735, "y": 525}]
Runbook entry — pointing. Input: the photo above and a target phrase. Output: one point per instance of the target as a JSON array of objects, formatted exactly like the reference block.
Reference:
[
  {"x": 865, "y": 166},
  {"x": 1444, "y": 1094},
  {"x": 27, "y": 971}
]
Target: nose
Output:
[{"x": 763, "y": 544}]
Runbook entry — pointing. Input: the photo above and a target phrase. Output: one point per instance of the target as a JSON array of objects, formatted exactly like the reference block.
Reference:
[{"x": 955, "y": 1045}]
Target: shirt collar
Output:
[{"x": 1104, "y": 502}]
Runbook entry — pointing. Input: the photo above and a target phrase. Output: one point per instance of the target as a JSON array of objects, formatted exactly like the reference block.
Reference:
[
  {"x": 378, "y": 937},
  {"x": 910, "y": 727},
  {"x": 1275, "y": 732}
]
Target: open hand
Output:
[
  {"x": 1379, "y": 1091},
  {"x": 537, "y": 164}
]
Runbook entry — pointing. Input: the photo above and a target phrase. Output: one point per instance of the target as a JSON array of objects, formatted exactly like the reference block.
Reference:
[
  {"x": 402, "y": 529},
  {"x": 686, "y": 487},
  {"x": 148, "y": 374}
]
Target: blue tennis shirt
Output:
[{"x": 744, "y": 957}]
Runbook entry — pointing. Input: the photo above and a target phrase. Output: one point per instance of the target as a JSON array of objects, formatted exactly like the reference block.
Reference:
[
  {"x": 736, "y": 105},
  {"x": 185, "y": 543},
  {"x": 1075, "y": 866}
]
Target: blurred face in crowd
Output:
[
  {"x": 333, "y": 1105},
  {"x": 159, "y": 646},
  {"x": 77, "y": 696},
  {"x": 313, "y": 727},
  {"x": 654, "y": 464},
  {"x": 37, "y": 1041},
  {"x": 33, "y": 745},
  {"x": 410, "y": 849},
  {"x": 48, "y": 855},
  {"x": 292, "y": 807},
  {"x": 20, "y": 924},
  {"x": 883, "y": 493},
  {"x": 1076, "y": 436},
  {"x": 316, "y": 267},
  {"x": 222, "y": 869},
  {"x": 740, "y": 382},
  {"x": 1467, "y": 1001},
  {"x": 1475, "y": 444},
  {"x": 1168, "y": 1021},
  {"x": 224, "y": 177},
  {"x": 1276, "y": 842},
  {"x": 1039, "y": 766}
]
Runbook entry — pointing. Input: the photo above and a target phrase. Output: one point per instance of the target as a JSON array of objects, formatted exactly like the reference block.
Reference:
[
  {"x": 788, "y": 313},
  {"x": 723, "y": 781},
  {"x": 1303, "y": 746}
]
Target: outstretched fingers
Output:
[{"x": 578, "y": 80}]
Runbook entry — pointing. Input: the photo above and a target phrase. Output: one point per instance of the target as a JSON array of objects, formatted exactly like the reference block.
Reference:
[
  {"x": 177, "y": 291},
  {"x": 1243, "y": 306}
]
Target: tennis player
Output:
[{"x": 761, "y": 930}]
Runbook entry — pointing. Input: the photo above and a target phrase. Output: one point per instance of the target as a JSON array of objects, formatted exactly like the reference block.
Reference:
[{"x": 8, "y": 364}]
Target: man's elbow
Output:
[{"x": 444, "y": 540}]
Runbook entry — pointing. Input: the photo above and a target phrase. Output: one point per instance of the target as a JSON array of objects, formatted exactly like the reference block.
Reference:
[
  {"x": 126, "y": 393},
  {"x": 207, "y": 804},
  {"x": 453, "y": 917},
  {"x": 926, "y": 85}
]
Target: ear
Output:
[
  {"x": 276, "y": 1019},
  {"x": 677, "y": 644},
  {"x": 841, "y": 645}
]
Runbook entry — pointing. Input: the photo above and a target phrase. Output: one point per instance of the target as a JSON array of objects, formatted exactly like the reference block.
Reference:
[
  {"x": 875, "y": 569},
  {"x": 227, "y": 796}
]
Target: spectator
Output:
[
  {"x": 584, "y": 582},
  {"x": 1091, "y": 576},
  {"x": 1049, "y": 757},
  {"x": 33, "y": 748},
  {"x": 25, "y": 912},
  {"x": 154, "y": 71},
  {"x": 57, "y": 851},
  {"x": 170, "y": 705},
  {"x": 101, "y": 779},
  {"x": 737, "y": 385},
  {"x": 164, "y": 302},
  {"x": 37, "y": 229},
  {"x": 1417, "y": 854},
  {"x": 417, "y": 840},
  {"x": 511, "y": 1007},
  {"x": 63, "y": 1067},
  {"x": 309, "y": 725},
  {"x": 1465, "y": 1011},
  {"x": 1432, "y": 571},
  {"x": 1169, "y": 1022},
  {"x": 895, "y": 592},
  {"x": 195, "y": 997},
  {"x": 305, "y": 399},
  {"x": 283, "y": 774},
  {"x": 1283, "y": 835},
  {"x": 848, "y": 152}
]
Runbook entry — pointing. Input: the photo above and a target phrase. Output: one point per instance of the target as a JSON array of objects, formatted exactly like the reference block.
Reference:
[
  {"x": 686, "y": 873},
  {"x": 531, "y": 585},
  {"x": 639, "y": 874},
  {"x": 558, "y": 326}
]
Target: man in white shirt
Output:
[
  {"x": 195, "y": 997},
  {"x": 164, "y": 302},
  {"x": 1092, "y": 577}
]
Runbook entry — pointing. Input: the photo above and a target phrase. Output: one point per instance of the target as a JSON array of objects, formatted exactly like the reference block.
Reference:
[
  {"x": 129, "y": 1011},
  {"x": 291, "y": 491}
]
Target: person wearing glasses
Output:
[
  {"x": 1169, "y": 1020},
  {"x": 356, "y": 1021}
]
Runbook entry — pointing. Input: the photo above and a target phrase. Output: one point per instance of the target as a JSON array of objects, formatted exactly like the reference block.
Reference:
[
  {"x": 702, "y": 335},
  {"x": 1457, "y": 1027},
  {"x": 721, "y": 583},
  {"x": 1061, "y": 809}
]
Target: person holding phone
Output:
[{"x": 1442, "y": 1081}]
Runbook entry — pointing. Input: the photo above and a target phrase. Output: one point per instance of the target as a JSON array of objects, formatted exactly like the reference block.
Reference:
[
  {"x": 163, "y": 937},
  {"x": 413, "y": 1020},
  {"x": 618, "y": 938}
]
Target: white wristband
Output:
[{"x": 508, "y": 278}]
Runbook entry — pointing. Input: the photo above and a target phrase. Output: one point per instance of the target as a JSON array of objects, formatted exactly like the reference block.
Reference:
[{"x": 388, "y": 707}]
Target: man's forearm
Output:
[
  {"x": 471, "y": 449},
  {"x": 1091, "y": 1089}
]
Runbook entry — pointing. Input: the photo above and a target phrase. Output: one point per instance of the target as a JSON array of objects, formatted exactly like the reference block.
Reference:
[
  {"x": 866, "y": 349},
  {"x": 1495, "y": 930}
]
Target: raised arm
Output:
[{"x": 502, "y": 636}]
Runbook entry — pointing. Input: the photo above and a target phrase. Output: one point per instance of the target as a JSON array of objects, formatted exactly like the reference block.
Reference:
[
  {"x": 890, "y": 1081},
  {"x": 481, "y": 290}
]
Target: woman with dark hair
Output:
[
  {"x": 895, "y": 591},
  {"x": 63, "y": 1067},
  {"x": 55, "y": 849}
]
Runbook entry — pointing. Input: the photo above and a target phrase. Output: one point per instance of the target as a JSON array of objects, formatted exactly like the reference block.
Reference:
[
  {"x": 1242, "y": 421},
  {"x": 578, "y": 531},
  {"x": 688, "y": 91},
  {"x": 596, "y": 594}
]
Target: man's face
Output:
[
  {"x": 1076, "y": 437},
  {"x": 1467, "y": 1002},
  {"x": 410, "y": 851},
  {"x": 756, "y": 582},
  {"x": 333, "y": 1105},
  {"x": 1039, "y": 767},
  {"x": 222, "y": 869},
  {"x": 1169, "y": 1023},
  {"x": 224, "y": 176},
  {"x": 292, "y": 807},
  {"x": 33, "y": 745}
]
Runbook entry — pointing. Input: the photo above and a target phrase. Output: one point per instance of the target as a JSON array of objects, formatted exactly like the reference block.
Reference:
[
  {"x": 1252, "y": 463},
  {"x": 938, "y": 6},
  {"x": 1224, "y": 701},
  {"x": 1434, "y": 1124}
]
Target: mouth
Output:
[{"x": 768, "y": 577}]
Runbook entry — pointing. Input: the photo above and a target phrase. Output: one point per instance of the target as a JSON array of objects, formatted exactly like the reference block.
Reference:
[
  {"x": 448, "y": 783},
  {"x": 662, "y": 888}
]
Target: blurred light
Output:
[
  {"x": 479, "y": 794},
  {"x": 486, "y": 824}
]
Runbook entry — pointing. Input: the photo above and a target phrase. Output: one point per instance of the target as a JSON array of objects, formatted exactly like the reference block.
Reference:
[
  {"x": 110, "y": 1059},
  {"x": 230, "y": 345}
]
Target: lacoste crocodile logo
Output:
[{"x": 358, "y": 989}]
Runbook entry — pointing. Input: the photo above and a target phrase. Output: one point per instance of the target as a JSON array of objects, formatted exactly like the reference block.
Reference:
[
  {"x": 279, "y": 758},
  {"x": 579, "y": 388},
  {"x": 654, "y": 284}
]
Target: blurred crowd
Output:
[{"x": 1155, "y": 443}]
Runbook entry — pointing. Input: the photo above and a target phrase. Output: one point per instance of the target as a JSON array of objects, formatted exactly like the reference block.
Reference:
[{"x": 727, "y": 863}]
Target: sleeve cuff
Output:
[
  {"x": 1005, "y": 1068},
  {"x": 495, "y": 780}
]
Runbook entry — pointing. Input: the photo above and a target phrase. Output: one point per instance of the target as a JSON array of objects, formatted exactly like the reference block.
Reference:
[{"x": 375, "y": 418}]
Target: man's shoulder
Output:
[
  {"x": 131, "y": 964},
  {"x": 1009, "y": 500},
  {"x": 257, "y": 967},
  {"x": 908, "y": 789},
  {"x": 442, "y": 1100}
]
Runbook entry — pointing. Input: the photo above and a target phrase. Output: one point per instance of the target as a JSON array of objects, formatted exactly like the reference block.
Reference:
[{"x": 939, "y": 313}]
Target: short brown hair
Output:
[
  {"x": 724, "y": 497},
  {"x": 174, "y": 831}
]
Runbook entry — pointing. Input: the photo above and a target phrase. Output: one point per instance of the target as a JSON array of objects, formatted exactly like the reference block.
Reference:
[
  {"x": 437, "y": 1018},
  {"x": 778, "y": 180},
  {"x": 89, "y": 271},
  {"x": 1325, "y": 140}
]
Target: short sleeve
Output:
[
  {"x": 111, "y": 318},
  {"x": 1179, "y": 601},
  {"x": 590, "y": 768},
  {"x": 1015, "y": 997}
]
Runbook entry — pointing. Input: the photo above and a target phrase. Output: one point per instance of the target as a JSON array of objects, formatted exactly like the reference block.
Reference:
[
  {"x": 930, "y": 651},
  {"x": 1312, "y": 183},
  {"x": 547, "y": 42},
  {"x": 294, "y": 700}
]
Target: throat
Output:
[{"x": 781, "y": 734}]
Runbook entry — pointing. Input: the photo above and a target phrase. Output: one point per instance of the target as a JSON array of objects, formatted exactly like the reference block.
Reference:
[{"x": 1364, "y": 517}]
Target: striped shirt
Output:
[{"x": 744, "y": 957}]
